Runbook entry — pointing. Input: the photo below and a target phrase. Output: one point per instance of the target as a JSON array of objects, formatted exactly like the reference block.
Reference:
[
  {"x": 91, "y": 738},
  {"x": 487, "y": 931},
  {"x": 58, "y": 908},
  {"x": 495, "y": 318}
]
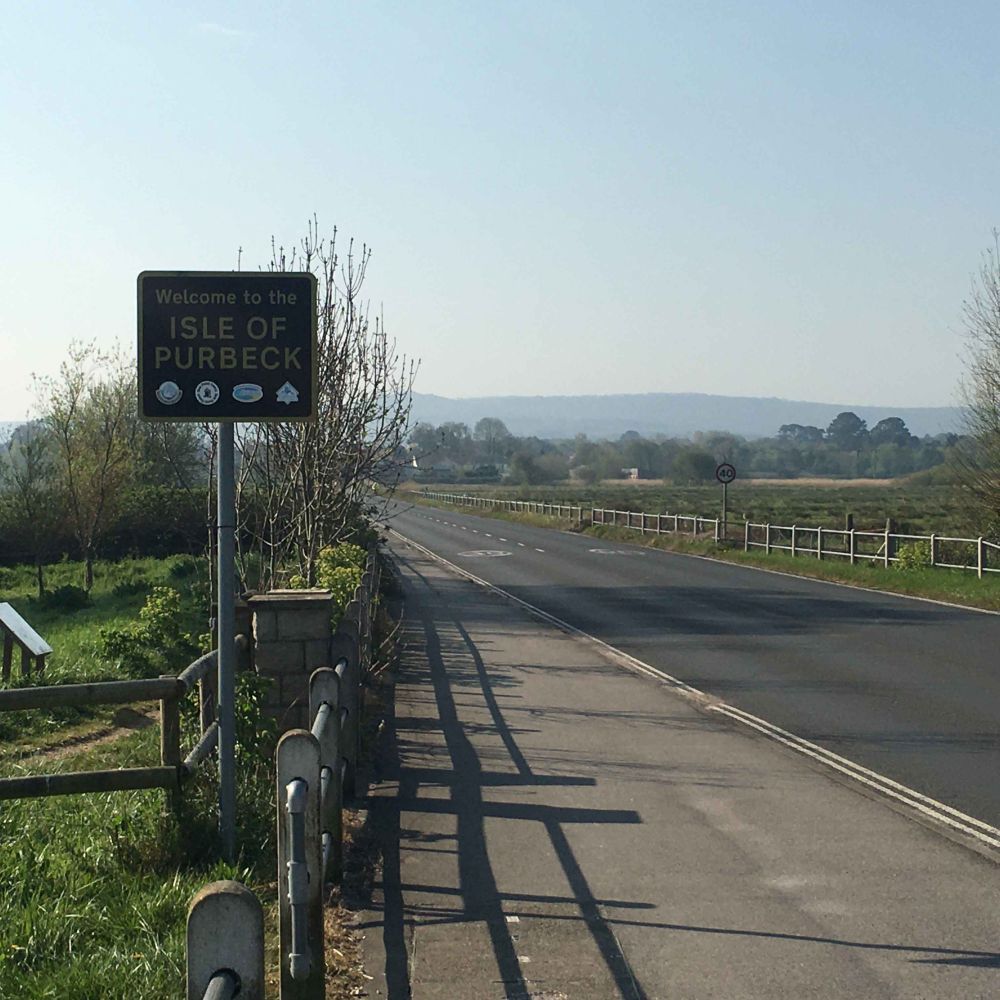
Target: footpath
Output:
[{"x": 553, "y": 826}]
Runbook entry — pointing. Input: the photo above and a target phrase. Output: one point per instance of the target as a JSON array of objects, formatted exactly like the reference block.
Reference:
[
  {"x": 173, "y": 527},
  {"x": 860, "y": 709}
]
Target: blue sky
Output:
[{"x": 783, "y": 199}]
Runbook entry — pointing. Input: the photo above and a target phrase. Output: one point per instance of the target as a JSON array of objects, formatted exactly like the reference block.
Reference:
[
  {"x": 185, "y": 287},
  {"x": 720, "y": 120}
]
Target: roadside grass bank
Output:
[
  {"x": 939, "y": 584},
  {"x": 71, "y": 622},
  {"x": 96, "y": 887}
]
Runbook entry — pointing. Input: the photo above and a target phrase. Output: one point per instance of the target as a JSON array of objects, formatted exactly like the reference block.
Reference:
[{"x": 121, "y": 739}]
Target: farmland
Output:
[{"x": 916, "y": 508}]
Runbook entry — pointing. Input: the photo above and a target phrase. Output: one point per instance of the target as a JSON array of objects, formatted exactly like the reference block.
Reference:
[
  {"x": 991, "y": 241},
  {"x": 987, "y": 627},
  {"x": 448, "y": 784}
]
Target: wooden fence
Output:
[
  {"x": 883, "y": 547},
  {"x": 168, "y": 690}
]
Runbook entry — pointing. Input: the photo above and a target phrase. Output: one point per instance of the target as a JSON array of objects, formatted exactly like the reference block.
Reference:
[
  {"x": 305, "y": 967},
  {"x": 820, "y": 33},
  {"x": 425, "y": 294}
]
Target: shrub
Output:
[
  {"x": 66, "y": 598},
  {"x": 157, "y": 639},
  {"x": 184, "y": 567},
  {"x": 339, "y": 569},
  {"x": 913, "y": 556}
]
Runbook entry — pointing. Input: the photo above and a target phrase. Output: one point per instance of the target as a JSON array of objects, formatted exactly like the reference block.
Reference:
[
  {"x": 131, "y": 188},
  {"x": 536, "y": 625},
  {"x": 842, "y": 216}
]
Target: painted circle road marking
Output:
[{"x": 484, "y": 554}]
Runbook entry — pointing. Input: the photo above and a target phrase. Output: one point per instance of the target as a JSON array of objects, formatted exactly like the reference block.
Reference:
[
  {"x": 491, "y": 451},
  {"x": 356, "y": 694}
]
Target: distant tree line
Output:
[{"x": 847, "y": 448}]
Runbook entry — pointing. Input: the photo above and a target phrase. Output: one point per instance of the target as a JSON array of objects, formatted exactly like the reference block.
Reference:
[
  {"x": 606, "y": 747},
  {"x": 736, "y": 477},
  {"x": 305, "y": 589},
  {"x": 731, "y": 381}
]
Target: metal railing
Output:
[
  {"x": 570, "y": 512},
  {"x": 882, "y": 547},
  {"x": 659, "y": 524},
  {"x": 316, "y": 770},
  {"x": 169, "y": 690}
]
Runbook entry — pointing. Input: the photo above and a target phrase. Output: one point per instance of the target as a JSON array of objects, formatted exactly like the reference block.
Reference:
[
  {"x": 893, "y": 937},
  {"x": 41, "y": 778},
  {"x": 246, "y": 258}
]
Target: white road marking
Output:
[
  {"x": 539, "y": 550},
  {"x": 521, "y": 544},
  {"x": 976, "y": 829},
  {"x": 501, "y": 539}
]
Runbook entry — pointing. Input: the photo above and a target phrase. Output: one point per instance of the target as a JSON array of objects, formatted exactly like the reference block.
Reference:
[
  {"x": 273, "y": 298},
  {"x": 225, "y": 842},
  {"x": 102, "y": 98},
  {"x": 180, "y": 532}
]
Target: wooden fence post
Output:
[{"x": 170, "y": 741}]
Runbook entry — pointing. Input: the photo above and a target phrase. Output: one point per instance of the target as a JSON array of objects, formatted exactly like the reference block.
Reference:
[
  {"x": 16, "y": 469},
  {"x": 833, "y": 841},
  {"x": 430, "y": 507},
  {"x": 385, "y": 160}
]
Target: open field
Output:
[{"x": 917, "y": 509}]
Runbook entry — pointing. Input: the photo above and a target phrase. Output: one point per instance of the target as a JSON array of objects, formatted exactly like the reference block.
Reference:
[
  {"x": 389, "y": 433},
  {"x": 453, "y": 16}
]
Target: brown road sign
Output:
[{"x": 219, "y": 346}]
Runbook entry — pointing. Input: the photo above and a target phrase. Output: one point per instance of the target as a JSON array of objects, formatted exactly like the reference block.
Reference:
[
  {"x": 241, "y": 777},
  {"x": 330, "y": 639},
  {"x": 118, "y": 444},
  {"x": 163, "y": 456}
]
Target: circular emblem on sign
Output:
[
  {"x": 484, "y": 554},
  {"x": 206, "y": 393},
  {"x": 725, "y": 473},
  {"x": 248, "y": 392},
  {"x": 169, "y": 393}
]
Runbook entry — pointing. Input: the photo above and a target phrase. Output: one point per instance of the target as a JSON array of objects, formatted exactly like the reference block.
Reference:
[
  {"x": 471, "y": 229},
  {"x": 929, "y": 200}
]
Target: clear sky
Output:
[{"x": 782, "y": 199}]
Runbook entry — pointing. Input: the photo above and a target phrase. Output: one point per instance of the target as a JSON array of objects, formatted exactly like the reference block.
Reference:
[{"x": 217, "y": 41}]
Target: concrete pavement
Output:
[{"x": 553, "y": 826}]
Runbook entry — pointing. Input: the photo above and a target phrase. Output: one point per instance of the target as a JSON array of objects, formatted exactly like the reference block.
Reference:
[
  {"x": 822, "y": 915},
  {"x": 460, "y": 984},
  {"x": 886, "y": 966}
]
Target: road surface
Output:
[{"x": 908, "y": 688}]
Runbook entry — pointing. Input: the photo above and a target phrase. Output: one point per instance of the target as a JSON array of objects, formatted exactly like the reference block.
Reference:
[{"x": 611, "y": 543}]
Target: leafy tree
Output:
[
  {"x": 891, "y": 430},
  {"x": 801, "y": 433},
  {"x": 33, "y": 494},
  {"x": 493, "y": 434},
  {"x": 87, "y": 413},
  {"x": 693, "y": 465},
  {"x": 848, "y": 432}
]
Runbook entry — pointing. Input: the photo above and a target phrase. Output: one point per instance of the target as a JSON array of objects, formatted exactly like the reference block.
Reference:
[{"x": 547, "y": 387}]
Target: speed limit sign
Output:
[{"x": 725, "y": 473}]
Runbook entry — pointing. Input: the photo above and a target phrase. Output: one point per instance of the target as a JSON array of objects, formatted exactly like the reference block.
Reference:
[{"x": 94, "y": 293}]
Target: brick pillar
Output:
[{"x": 292, "y": 630}]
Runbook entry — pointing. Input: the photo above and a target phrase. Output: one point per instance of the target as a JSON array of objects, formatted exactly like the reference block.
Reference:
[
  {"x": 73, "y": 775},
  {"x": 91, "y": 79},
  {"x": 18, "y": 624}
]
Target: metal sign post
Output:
[
  {"x": 227, "y": 642},
  {"x": 225, "y": 347},
  {"x": 725, "y": 473}
]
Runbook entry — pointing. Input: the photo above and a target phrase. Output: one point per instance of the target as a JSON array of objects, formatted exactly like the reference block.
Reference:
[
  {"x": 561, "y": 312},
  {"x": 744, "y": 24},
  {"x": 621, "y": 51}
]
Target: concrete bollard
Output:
[
  {"x": 225, "y": 931},
  {"x": 298, "y": 761}
]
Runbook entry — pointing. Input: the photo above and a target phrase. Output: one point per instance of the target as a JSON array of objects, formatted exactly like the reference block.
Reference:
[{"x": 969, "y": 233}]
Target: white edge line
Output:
[
  {"x": 968, "y": 825},
  {"x": 945, "y": 814},
  {"x": 819, "y": 579}
]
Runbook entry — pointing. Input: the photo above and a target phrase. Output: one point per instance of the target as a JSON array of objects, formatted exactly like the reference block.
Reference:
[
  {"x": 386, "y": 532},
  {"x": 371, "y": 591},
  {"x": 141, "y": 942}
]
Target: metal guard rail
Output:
[{"x": 316, "y": 769}]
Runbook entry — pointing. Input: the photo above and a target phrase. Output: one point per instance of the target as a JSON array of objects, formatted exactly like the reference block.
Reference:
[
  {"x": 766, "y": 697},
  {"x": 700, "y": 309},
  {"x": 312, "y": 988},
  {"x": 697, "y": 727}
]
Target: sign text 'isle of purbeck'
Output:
[{"x": 227, "y": 345}]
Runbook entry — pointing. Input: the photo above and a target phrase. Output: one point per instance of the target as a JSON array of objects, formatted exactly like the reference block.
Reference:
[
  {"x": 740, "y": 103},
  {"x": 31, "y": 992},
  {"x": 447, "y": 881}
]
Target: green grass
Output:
[
  {"x": 96, "y": 887},
  {"x": 120, "y": 589}
]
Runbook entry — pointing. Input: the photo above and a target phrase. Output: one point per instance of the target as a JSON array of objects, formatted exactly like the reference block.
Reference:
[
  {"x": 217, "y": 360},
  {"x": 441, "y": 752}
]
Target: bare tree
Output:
[
  {"x": 978, "y": 455},
  {"x": 302, "y": 486},
  {"x": 87, "y": 411}
]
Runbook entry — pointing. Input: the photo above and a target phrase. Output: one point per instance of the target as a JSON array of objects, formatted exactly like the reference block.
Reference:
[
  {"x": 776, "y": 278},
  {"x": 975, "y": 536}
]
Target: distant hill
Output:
[{"x": 673, "y": 414}]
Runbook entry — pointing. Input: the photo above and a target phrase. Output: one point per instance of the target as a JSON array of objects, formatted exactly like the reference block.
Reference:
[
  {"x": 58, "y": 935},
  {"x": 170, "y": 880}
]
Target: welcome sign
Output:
[{"x": 218, "y": 346}]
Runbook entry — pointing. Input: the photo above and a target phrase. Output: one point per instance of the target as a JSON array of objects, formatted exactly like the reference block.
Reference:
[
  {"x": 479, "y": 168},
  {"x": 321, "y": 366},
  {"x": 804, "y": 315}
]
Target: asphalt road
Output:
[{"x": 907, "y": 688}]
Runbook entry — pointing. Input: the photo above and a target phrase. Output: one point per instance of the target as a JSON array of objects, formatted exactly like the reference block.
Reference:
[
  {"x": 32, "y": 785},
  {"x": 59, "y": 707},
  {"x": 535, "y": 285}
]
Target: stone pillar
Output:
[{"x": 292, "y": 630}]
